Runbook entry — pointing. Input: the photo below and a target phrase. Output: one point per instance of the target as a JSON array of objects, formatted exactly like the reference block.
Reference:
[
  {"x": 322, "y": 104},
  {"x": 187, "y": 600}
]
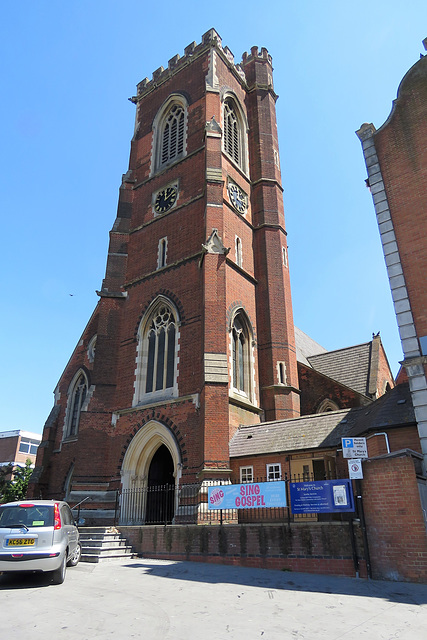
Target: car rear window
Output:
[{"x": 30, "y": 516}]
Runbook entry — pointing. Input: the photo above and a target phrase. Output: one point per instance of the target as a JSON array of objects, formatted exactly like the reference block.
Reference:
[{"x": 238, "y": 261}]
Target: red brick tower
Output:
[
  {"x": 193, "y": 330},
  {"x": 396, "y": 160}
]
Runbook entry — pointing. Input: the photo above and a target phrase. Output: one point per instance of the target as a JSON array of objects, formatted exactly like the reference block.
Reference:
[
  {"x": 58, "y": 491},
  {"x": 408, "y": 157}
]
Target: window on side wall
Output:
[
  {"x": 76, "y": 397},
  {"x": 241, "y": 353},
  {"x": 246, "y": 474},
  {"x": 274, "y": 472}
]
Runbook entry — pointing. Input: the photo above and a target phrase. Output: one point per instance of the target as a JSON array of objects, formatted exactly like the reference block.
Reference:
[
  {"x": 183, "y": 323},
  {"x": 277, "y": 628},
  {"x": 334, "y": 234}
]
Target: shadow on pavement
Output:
[
  {"x": 24, "y": 580},
  {"x": 402, "y": 592}
]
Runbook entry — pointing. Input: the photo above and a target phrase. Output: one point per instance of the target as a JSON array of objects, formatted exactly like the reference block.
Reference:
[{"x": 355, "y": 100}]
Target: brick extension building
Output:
[
  {"x": 18, "y": 446},
  {"x": 193, "y": 333},
  {"x": 396, "y": 161}
]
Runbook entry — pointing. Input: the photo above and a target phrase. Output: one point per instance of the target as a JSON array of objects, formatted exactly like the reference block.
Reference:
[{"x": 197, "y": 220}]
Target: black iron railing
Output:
[{"x": 187, "y": 503}]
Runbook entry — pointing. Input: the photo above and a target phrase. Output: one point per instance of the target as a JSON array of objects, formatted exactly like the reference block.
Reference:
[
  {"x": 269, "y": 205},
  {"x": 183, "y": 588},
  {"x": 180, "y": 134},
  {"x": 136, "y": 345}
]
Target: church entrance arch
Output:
[
  {"x": 150, "y": 473},
  {"x": 160, "y": 488}
]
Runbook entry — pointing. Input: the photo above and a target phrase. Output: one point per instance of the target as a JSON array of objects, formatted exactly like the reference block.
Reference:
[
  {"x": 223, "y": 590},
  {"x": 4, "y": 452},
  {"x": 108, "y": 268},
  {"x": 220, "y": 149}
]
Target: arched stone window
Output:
[
  {"x": 327, "y": 405},
  {"x": 76, "y": 397},
  {"x": 169, "y": 131},
  {"x": 234, "y": 133},
  {"x": 156, "y": 373},
  {"x": 241, "y": 349}
]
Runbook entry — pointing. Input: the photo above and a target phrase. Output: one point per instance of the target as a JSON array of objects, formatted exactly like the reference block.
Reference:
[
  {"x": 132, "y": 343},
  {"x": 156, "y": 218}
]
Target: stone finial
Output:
[
  {"x": 188, "y": 51},
  {"x": 211, "y": 36},
  {"x": 229, "y": 54},
  {"x": 213, "y": 126},
  {"x": 127, "y": 177},
  {"x": 240, "y": 72},
  {"x": 143, "y": 84},
  {"x": 366, "y": 131},
  {"x": 158, "y": 72},
  {"x": 254, "y": 52},
  {"x": 214, "y": 244},
  {"x": 173, "y": 61}
]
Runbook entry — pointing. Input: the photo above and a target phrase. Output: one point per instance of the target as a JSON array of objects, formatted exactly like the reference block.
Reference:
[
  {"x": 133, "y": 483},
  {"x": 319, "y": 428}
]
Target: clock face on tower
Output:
[
  {"x": 165, "y": 199},
  {"x": 237, "y": 197}
]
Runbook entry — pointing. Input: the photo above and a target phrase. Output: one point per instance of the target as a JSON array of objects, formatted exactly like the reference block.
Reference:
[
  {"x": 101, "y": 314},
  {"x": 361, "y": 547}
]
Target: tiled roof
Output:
[
  {"x": 393, "y": 409},
  {"x": 306, "y": 347},
  {"x": 307, "y": 432},
  {"x": 348, "y": 366},
  {"x": 324, "y": 430}
]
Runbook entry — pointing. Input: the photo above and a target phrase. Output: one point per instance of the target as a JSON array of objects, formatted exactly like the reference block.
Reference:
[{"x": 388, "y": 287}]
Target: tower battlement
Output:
[{"x": 210, "y": 39}]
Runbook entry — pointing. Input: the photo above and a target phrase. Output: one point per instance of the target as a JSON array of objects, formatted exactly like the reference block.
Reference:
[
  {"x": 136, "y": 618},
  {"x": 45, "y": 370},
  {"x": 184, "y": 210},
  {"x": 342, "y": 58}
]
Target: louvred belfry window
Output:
[
  {"x": 232, "y": 144},
  {"x": 173, "y": 135}
]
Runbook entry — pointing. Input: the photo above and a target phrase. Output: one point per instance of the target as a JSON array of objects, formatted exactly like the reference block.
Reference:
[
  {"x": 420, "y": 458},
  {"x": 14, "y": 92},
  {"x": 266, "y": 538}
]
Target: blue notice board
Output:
[{"x": 321, "y": 496}]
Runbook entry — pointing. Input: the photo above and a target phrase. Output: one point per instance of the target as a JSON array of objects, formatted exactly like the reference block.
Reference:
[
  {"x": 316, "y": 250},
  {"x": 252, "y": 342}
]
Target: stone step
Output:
[
  {"x": 99, "y": 537},
  {"x": 98, "y": 530},
  {"x": 103, "y": 543},
  {"x": 104, "y": 552},
  {"x": 93, "y": 557}
]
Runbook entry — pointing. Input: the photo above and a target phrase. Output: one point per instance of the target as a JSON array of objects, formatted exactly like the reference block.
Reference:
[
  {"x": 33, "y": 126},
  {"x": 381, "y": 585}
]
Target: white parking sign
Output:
[{"x": 354, "y": 448}]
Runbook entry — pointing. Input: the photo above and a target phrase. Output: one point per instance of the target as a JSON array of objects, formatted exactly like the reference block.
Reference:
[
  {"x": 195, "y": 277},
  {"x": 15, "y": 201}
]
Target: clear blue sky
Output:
[{"x": 67, "y": 70}]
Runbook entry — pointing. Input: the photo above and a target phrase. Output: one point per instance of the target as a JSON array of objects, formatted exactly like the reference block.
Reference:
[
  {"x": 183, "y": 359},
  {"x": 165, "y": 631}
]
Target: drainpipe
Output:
[{"x": 382, "y": 433}]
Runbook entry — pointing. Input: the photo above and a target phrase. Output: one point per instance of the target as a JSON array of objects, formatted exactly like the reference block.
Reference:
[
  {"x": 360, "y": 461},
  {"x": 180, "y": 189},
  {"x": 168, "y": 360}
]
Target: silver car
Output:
[{"x": 38, "y": 535}]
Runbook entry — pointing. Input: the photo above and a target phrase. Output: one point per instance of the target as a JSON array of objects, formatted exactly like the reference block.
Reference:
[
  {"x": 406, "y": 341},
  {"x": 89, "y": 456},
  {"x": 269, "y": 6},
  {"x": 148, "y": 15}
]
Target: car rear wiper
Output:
[{"x": 18, "y": 526}]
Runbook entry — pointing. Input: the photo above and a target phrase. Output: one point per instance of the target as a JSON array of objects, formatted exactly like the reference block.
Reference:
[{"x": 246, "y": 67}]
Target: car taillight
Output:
[{"x": 57, "y": 524}]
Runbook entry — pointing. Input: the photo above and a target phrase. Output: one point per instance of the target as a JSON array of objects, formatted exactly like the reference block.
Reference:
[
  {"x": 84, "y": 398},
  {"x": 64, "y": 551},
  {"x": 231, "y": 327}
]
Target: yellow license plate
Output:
[{"x": 21, "y": 542}]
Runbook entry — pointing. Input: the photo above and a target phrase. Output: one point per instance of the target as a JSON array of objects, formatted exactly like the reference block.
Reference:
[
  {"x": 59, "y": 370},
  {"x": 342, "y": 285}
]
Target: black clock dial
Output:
[
  {"x": 165, "y": 199},
  {"x": 237, "y": 197}
]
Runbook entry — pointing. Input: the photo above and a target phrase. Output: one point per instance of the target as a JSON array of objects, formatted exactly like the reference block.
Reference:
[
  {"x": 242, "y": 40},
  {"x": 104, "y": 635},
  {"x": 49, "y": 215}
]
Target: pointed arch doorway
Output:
[
  {"x": 150, "y": 473},
  {"x": 160, "y": 488}
]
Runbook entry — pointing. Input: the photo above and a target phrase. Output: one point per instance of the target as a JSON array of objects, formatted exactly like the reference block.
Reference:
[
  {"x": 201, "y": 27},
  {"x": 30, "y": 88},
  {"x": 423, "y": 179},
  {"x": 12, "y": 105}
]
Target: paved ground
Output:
[{"x": 154, "y": 599}]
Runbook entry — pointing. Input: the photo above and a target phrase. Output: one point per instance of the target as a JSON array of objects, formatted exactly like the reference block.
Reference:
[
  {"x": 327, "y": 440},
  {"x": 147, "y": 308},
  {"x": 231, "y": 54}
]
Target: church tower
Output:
[{"x": 193, "y": 332}]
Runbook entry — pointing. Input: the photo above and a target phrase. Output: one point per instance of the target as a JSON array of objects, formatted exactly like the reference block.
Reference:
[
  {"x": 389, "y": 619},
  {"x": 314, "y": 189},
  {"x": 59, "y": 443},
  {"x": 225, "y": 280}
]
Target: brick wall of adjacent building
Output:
[
  {"x": 396, "y": 534},
  {"x": 394, "y": 519},
  {"x": 323, "y": 548},
  {"x": 316, "y": 387}
]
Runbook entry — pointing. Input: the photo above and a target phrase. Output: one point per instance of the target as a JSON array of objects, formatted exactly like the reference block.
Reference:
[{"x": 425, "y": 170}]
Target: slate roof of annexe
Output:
[
  {"x": 324, "y": 430},
  {"x": 349, "y": 366}
]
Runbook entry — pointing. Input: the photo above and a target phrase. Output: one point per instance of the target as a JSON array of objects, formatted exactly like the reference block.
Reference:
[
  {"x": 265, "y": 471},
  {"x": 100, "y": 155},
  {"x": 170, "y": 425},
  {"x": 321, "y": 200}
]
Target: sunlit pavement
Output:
[{"x": 155, "y": 599}]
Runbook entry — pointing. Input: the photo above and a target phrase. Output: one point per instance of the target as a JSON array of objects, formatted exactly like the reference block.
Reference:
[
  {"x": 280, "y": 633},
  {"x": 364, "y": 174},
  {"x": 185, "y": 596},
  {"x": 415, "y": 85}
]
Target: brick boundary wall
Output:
[
  {"x": 322, "y": 548},
  {"x": 394, "y": 518}
]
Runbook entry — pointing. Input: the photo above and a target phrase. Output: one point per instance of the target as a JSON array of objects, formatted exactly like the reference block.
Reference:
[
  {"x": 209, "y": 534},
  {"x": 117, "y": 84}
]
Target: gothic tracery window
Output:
[
  {"x": 156, "y": 371},
  {"x": 76, "y": 398},
  {"x": 161, "y": 351},
  {"x": 241, "y": 356}
]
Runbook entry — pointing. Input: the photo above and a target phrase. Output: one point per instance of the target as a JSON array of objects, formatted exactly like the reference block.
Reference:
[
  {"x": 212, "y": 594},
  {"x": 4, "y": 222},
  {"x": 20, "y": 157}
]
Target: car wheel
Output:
[
  {"x": 58, "y": 576},
  {"x": 75, "y": 558}
]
